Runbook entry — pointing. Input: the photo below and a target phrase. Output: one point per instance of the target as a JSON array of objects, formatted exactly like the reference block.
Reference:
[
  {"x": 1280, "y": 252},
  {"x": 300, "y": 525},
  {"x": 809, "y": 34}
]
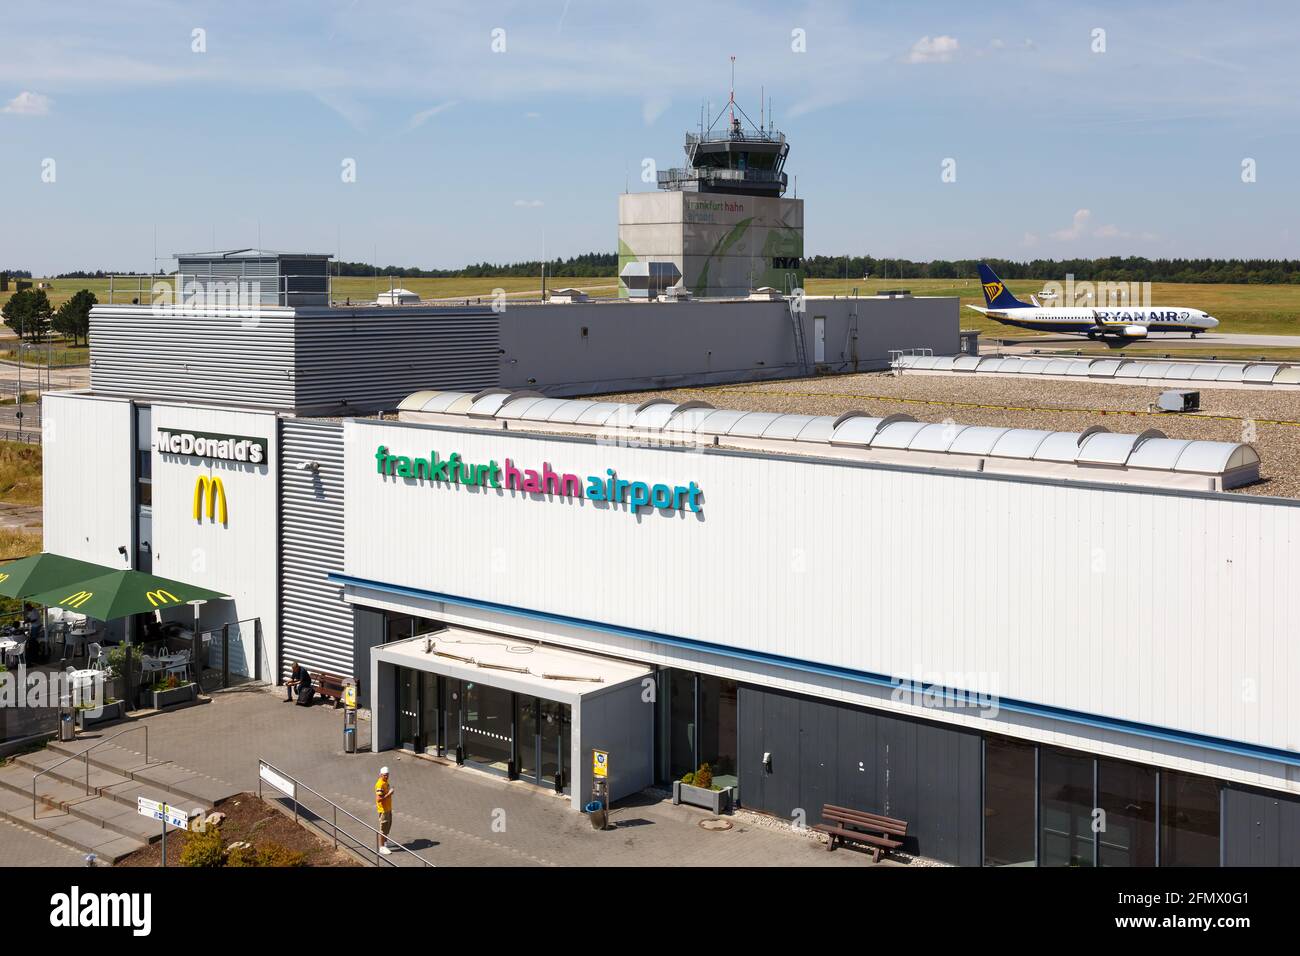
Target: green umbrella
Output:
[
  {"x": 121, "y": 594},
  {"x": 44, "y": 572}
]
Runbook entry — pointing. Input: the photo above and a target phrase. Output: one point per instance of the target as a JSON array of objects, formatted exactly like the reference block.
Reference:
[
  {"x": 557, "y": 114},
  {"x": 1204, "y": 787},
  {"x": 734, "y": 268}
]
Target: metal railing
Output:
[
  {"x": 334, "y": 820},
  {"x": 739, "y": 136},
  {"x": 85, "y": 754},
  {"x": 210, "y": 290}
]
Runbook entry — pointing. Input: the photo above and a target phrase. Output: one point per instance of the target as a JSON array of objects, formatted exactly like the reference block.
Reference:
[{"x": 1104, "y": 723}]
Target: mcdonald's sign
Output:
[
  {"x": 3, "y": 577},
  {"x": 210, "y": 496},
  {"x": 160, "y": 597},
  {"x": 78, "y": 599}
]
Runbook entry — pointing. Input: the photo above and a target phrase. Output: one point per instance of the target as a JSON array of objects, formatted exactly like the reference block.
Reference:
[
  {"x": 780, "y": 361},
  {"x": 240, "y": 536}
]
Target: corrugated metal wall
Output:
[
  {"x": 371, "y": 359},
  {"x": 315, "y": 624},
  {"x": 827, "y": 752},
  {"x": 193, "y": 356},
  {"x": 325, "y": 360},
  {"x": 1260, "y": 829}
]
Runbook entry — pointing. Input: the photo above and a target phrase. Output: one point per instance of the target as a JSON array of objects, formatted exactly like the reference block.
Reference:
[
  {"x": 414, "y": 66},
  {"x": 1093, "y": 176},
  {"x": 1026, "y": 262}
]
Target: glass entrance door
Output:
[
  {"x": 553, "y": 728},
  {"x": 487, "y": 726}
]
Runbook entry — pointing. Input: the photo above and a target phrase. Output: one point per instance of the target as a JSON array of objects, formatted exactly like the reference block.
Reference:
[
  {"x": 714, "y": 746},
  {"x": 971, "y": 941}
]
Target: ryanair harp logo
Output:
[
  {"x": 160, "y": 597},
  {"x": 993, "y": 289},
  {"x": 78, "y": 599},
  {"x": 210, "y": 497}
]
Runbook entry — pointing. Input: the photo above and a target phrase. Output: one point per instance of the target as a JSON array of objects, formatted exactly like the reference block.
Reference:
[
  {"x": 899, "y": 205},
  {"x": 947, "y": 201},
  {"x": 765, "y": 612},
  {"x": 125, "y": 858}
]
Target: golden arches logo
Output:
[
  {"x": 993, "y": 289},
  {"x": 78, "y": 599},
  {"x": 3, "y": 577},
  {"x": 161, "y": 597},
  {"x": 210, "y": 496}
]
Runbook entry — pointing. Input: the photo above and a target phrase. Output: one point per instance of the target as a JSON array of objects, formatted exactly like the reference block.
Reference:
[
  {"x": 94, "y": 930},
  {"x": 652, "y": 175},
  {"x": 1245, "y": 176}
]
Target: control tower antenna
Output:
[{"x": 731, "y": 102}]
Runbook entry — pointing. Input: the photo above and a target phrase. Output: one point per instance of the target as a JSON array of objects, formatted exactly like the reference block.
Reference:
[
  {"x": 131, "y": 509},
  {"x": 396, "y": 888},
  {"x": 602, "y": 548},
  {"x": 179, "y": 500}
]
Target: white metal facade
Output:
[
  {"x": 87, "y": 477},
  {"x": 1171, "y": 610},
  {"x": 240, "y": 557}
]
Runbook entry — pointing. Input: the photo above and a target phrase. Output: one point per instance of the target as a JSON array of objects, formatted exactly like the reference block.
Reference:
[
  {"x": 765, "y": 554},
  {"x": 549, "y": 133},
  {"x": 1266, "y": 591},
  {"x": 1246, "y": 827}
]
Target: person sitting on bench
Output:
[{"x": 299, "y": 683}]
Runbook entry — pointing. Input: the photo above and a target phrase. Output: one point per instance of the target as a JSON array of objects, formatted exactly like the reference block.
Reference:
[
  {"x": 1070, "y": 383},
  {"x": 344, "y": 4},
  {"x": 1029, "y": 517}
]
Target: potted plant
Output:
[
  {"x": 170, "y": 691},
  {"x": 112, "y": 709},
  {"x": 698, "y": 790}
]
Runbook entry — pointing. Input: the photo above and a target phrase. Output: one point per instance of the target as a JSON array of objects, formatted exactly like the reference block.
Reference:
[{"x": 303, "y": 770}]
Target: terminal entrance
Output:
[{"x": 516, "y": 735}]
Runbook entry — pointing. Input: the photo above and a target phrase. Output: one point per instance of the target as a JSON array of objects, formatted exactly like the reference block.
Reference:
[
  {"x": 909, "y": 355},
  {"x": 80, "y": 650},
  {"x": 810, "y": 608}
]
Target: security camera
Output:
[{"x": 309, "y": 466}]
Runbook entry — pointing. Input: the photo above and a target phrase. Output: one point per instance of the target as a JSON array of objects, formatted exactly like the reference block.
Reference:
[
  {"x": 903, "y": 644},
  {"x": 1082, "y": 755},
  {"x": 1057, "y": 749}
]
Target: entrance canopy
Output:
[
  {"x": 514, "y": 664},
  {"x": 122, "y": 593},
  {"x": 45, "y": 572}
]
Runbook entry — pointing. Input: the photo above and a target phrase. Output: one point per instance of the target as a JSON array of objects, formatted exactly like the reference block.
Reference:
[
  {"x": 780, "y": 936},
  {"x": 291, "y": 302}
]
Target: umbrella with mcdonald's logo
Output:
[
  {"x": 44, "y": 572},
  {"x": 123, "y": 593}
]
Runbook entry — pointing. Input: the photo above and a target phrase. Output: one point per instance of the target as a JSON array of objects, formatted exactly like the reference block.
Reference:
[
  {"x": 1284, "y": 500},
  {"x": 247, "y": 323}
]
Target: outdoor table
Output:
[{"x": 6, "y": 645}]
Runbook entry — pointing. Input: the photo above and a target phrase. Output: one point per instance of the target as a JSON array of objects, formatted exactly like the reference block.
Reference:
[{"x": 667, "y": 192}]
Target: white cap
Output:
[{"x": 383, "y": 771}]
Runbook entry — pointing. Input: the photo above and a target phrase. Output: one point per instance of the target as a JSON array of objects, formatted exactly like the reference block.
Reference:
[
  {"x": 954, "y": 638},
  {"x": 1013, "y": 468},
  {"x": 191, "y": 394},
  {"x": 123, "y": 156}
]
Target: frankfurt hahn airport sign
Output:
[
  {"x": 236, "y": 448},
  {"x": 454, "y": 470}
]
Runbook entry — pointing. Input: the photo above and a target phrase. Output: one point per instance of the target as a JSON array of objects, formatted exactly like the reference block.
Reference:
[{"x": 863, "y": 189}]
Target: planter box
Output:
[
  {"x": 177, "y": 695},
  {"x": 717, "y": 801},
  {"x": 110, "y": 712}
]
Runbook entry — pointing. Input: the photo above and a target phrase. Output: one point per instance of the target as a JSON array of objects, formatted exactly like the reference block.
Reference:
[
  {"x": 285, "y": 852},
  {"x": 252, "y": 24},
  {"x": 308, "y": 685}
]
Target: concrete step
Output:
[
  {"x": 108, "y": 845},
  {"x": 103, "y": 783},
  {"x": 188, "y": 787}
]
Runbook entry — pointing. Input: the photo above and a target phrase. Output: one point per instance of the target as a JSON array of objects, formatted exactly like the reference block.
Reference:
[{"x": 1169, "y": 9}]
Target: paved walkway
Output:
[
  {"x": 456, "y": 816},
  {"x": 22, "y": 847}
]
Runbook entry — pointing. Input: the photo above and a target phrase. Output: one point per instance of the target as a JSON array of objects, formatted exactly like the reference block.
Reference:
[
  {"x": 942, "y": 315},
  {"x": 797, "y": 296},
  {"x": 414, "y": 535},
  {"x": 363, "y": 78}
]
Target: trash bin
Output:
[
  {"x": 67, "y": 726},
  {"x": 349, "y": 730},
  {"x": 597, "y": 813}
]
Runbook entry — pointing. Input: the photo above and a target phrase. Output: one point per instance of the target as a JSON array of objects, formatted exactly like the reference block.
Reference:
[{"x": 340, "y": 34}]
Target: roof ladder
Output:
[{"x": 796, "y": 323}]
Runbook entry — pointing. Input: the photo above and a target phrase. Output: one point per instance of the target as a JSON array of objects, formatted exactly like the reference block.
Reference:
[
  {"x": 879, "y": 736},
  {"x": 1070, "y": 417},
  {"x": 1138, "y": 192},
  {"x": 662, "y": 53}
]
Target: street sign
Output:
[
  {"x": 153, "y": 809},
  {"x": 599, "y": 763},
  {"x": 276, "y": 780}
]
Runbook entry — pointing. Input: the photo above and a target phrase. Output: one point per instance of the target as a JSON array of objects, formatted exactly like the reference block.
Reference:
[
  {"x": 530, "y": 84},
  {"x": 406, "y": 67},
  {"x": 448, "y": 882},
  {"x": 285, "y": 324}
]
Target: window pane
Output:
[
  {"x": 1127, "y": 794},
  {"x": 1008, "y": 803},
  {"x": 681, "y": 727},
  {"x": 718, "y": 728},
  {"x": 1189, "y": 820},
  {"x": 1067, "y": 802}
]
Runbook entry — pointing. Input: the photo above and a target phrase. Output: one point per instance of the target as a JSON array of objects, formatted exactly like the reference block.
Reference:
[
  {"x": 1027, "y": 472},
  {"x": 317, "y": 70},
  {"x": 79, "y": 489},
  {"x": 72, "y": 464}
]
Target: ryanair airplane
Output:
[{"x": 1126, "y": 322}]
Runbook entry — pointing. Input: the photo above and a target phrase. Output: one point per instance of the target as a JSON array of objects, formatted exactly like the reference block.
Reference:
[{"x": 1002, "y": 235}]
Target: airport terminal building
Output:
[{"x": 993, "y": 634}]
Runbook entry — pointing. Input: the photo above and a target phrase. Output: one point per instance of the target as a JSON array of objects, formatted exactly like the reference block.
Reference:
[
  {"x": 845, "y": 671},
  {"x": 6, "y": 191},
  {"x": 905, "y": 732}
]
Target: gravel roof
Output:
[{"x": 1268, "y": 420}]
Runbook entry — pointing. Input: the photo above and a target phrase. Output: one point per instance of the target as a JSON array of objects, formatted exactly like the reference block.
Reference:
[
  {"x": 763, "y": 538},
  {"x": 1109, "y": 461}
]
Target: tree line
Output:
[
  {"x": 588, "y": 265},
  {"x": 31, "y": 317},
  {"x": 1107, "y": 269}
]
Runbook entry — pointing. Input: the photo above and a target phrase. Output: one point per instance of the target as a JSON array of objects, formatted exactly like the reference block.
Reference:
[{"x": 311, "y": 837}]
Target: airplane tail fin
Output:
[{"x": 996, "y": 294}]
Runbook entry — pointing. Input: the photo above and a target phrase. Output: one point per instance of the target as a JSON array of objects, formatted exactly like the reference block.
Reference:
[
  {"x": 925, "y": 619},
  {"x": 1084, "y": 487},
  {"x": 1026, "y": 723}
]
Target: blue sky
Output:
[{"x": 464, "y": 154}]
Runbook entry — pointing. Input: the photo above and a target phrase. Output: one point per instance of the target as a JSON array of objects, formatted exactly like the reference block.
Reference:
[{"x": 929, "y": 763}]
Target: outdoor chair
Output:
[
  {"x": 17, "y": 654},
  {"x": 95, "y": 658}
]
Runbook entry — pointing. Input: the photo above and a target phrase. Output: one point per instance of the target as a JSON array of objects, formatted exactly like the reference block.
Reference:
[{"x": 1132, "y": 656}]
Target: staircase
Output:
[
  {"x": 796, "y": 322},
  {"x": 104, "y": 821}
]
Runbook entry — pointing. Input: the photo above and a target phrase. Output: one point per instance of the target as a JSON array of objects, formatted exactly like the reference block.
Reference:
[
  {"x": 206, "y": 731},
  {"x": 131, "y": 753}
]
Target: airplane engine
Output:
[{"x": 1135, "y": 331}]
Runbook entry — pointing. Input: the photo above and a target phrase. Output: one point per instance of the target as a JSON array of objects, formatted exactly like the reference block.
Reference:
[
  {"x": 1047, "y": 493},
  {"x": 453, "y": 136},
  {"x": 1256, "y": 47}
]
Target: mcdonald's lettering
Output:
[
  {"x": 78, "y": 599},
  {"x": 161, "y": 597},
  {"x": 210, "y": 496}
]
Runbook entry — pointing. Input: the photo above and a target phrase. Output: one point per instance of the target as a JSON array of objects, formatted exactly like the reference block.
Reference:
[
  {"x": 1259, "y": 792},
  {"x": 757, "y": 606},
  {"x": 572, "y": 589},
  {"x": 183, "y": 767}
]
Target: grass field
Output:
[
  {"x": 20, "y": 473},
  {"x": 357, "y": 288},
  {"x": 1242, "y": 309}
]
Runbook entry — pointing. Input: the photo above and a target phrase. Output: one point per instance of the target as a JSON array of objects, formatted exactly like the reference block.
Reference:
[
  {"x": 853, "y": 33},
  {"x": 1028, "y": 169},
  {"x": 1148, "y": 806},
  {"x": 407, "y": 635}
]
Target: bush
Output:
[
  {"x": 203, "y": 848},
  {"x": 688, "y": 778},
  {"x": 273, "y": 854},
  {"x": 704, "y": 777}
]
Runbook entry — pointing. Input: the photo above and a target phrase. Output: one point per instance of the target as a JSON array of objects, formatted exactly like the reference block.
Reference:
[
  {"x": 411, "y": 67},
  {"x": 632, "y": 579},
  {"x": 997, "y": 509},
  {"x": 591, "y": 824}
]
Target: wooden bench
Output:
[
  {"x": 846, "y": 825},
  {"x": 329, "y": 685}
]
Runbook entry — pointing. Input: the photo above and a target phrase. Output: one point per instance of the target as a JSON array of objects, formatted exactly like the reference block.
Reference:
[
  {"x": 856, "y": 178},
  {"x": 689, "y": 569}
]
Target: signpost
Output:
[{"x": 166, "y": 815}]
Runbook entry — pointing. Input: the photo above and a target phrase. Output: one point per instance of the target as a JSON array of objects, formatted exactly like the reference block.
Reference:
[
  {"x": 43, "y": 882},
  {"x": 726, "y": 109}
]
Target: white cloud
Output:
[
  {"x": 653, "y": 108},
  {"x": 1081, "y": 226},
  {"x": 28, "y": 103},
  {"x": 938, "y": 49},
  {"x": 422, "y": 117},
  {"x": 529, "y": 203},
  {"x": 1077, "y": 226}
]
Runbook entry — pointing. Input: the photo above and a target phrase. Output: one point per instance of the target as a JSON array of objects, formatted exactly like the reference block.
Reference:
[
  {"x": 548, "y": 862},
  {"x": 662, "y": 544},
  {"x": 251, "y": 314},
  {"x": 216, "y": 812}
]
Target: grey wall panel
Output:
[
  {"x": 193, "y": 356},
  {"x": 1260, "y": 829},
  {"x": 368, "y": 628},
  {"x": 315, "y": 623},
  {"x": 827, "y": 752},
  {"x": 371, "y": 359}
]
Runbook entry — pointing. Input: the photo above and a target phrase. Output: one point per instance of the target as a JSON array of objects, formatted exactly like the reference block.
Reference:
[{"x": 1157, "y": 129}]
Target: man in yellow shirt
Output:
[{"x": 384, "y": 804}]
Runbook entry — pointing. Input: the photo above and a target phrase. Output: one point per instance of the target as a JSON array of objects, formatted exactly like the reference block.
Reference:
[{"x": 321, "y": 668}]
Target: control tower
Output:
[{"x": 722, "y": 221}]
